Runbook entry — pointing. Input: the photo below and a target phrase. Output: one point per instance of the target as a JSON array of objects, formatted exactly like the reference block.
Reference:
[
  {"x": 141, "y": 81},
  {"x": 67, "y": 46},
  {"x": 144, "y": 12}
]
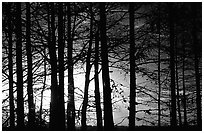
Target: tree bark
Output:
[
  {"x": 61, "y": 66},
  {"x": 20, "y": 100},
  {"x": 10, "y": 65},
  {"x": 70, "y": 104},
  {"x": 172, "y": 66},
  {"x": 88, "y": 69},
  {"x": 31, "y": 106},
  {"x": 108, "y": 116},
  {"x": 132, "y": 69}
]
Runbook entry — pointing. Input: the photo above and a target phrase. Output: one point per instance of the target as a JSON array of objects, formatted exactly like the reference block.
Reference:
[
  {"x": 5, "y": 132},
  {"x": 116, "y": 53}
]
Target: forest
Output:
[{"x": 102, "y": 66}]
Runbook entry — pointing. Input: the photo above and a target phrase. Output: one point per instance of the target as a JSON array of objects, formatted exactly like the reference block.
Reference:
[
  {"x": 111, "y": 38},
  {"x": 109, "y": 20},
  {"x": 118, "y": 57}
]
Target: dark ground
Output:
[{"x": 124, "y": 128}]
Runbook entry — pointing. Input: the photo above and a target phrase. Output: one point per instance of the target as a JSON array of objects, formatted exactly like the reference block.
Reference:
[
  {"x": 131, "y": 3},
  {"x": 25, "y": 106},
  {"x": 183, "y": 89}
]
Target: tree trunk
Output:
[
  {"x": 61, "y": 66},
  {"x": 177, "y": 85},
  {"x": 49, "y": 44},
  {"x": 70, "y": 104},
  {"x": 10, "y": 65},
  {"x": 108, "y": 116},
  {"x": 31, "y": 107},
  {"x": 54, "y": 119},
  {"x": 20, "y": 100},
  {"x": 41, "y": 100},
  {"x": 196, "y": 50},
  {"x": 97, "y": 91},
  {"x": 184, "y": 88},
  {"x": 159, "y": 62},
  {"x": 44, "y": 85},
  {"x": 132, "y": 69},
  {"x": 88, "y": 69},
  {"x": 172, "y": 67}
]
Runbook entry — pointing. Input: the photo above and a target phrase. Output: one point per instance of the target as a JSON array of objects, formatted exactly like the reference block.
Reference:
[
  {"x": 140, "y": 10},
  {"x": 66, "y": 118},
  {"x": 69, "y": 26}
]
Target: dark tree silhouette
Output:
[
  {"x": 70, "y": 104},
  {"x": 160, "y": 42},
  {"x": 172, "y": 66},
  {"x": 10, "y": 58},
  {"x": 97, "y": 92},
  {"x": 20, "y": 100},
  {"x": 44, "y": 86},
  {"x": 159, "y": 63},
  {"x": 61, "y": 66},
  {"x": 31, "y": 107},
  {"x": 177, "y": 81},
  {"x": 54, "y": 116},
  {"x": 196, "y": 49},
  {"x": 88, "y": 69},
  {"x": 184, "y": 87},
  {"x": 132, "y": 110},
  {"x": 108, "y": 116}
]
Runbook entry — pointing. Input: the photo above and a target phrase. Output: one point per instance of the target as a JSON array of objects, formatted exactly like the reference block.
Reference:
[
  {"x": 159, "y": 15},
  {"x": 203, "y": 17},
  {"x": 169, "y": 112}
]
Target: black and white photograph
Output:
[{"x": 101, "y": 66}]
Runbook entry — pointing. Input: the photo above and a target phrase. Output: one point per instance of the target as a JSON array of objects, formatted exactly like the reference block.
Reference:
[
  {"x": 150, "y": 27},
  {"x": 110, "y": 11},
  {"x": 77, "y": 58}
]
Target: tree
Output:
[
  {"x": 196, "y": 50},
  {"x": 132, "y": 69},
  {"x": 88, "y": 69},
  {"x": 97, "y": 92},
  {"x": 54, "y": 116},
  {"x": 184, "y": 87},
  {"x": 177, "y": 82},
  {"x": 70, "y": 104},
  {"x": 20, "y": 99},
  {"x": 172, "y": 66},
  {"x": 108, "y": 116},
  {"x": 61, "y": 66},
  {"x": 10, "y": 65},
  {"x": 159, "y": 64},
  {"x": 44, "y": 86},
  {"x": 58, "y": 28},
  {"x": 31, "y": 107}
]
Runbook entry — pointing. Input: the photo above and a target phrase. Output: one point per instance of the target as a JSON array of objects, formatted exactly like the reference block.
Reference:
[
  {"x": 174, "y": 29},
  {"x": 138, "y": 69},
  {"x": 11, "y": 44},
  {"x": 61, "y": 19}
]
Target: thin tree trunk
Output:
[
  {"x": 132, "y": 69},
  {"x": 88, "y": 69},
  {"x": 70, "y": 104},
  {"x": 54, "y": 119},
  {"x": 196, "y": 64},
  {"x": 61, "y": 66},
  {"x": 172, "y": 67},
  {"x": 159, "y": 62},
  {"x": 49, "y": 43},
  {"x": 97, "y": 91},
  {"x": 177, "y": 85},
  {"x": 20, "y": 100},
  {"x": 44, "y": 86},
  {"x": 31, "y": 107},
  {"x": 184, "y": 88},
  {"x": 10, "y": 65},
  {"x": 108, "y": 113}
]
